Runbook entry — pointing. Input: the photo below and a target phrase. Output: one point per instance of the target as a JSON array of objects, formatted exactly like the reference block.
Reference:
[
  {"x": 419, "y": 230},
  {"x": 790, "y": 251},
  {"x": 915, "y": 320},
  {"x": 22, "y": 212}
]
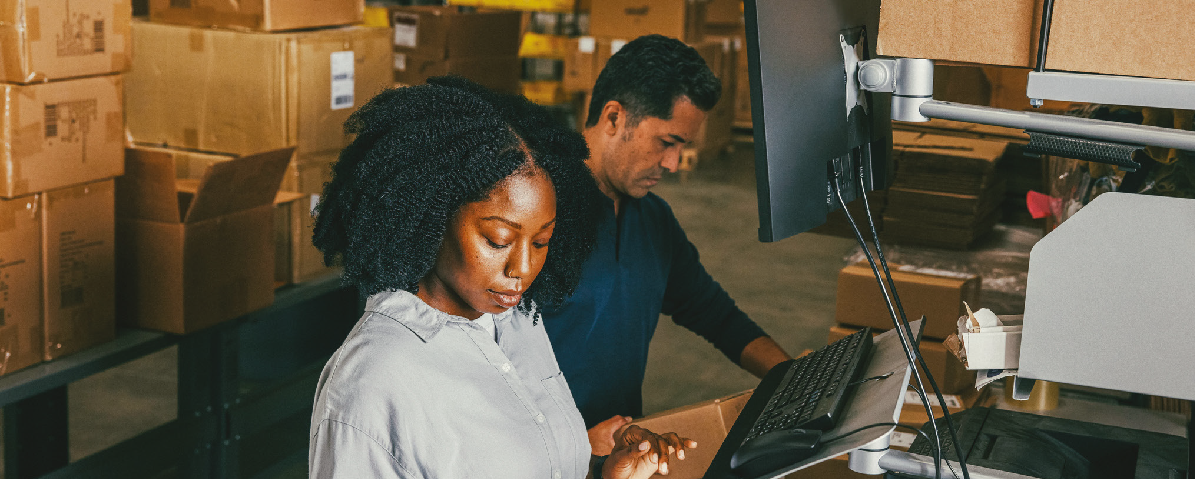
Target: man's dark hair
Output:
[
  {"x": 648, "y": 75},
  {"x": 420, "y": 154}
]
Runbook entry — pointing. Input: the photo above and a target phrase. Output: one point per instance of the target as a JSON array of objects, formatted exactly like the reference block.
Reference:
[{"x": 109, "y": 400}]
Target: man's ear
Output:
[{"x": 613, "y": 117}]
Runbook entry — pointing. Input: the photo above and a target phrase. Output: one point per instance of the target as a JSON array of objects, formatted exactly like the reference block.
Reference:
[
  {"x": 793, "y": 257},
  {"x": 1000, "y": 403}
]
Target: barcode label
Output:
[
  {"x": 342, "y": 80},
  {"x": 72, "y": 296},
  {"x": 51, "y": 121},
  {"x": 616, "y": 45},
  {"x": 587, "y": 45},
  {"x": 400, "y": 62},
  {"x": 97, "y": 39},
  {"x": 406, "y": 29},
  {"x": 902, "y": 439}
]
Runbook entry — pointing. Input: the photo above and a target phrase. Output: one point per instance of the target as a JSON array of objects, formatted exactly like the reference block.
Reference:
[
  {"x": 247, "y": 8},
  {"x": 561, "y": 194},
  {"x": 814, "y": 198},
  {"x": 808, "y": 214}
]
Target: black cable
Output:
[
  {"x": 878, "y": 424},
  {"x": 909, "y": 330},
  {"x": 900, "y": 333},
  {"x": 1043, "y": 38}
]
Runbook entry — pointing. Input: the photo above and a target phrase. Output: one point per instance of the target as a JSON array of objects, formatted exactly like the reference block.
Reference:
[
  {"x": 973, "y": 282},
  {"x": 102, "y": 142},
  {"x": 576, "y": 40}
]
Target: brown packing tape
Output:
[
  {"x": 120, "y": 62},
  {"x": 32, "y": 24},
  {"x": 190, "y": 138},
  {"x": 197, "y": 40},
  {"x": 26, "y": 142},
  {"x": 114, "y": 121}
]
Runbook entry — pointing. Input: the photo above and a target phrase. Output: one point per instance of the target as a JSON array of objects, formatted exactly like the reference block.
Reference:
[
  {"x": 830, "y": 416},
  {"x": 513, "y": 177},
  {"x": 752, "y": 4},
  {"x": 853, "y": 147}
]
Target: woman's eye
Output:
[{"x": 495, "y": 245}]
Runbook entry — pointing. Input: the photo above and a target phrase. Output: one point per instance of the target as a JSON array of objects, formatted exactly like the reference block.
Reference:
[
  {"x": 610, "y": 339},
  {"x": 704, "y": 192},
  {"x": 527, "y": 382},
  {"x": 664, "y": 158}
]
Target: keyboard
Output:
[{"x": 813, "y": 390}]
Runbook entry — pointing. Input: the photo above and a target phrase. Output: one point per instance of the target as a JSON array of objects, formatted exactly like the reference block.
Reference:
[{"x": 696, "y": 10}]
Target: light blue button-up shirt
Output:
[{"x": 418, "y": 393}]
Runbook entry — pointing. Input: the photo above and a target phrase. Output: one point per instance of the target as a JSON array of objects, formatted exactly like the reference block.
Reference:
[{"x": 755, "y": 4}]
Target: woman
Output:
[{"x": 459, "y": 212}]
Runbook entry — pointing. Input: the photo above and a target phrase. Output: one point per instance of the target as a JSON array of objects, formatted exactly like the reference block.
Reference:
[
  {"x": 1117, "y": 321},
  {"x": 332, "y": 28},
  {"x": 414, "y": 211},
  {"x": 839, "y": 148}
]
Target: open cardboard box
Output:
[{"x": 191, "y": 254}]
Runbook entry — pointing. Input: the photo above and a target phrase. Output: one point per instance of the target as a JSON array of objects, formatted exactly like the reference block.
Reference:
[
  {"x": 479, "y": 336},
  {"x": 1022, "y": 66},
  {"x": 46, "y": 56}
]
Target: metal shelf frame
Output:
[{"x": 223, "y": 394}]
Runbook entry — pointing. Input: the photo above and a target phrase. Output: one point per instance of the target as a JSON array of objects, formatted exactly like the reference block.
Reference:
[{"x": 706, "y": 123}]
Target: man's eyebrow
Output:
[
  {"x": 678, "y": 138},
  {"x": 504, "y": 220},
  {"x": 546, "y": 225}
]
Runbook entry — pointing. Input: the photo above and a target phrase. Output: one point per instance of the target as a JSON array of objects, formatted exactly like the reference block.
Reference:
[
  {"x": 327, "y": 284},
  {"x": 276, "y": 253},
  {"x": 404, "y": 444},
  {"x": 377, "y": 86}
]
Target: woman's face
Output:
[{"x": 493, "y": 249}]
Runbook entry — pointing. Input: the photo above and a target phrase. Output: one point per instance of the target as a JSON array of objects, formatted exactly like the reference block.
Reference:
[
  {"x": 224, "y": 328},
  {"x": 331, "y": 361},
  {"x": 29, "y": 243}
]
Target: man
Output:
[{"x": 648, "y": 103}]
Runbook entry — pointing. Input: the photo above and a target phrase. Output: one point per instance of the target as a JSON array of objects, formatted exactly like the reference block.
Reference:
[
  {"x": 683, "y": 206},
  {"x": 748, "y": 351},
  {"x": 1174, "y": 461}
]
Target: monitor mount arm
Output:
[{"x": 911, "y": 82}]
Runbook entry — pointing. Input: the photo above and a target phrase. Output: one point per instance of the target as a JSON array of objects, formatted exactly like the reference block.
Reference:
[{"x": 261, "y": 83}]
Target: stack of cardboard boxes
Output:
[
  {"x": 62, "y": 135},
  {"x": 481, "y": 45},
  {"x": 265, "y": 92},
  {"x": 947, "y": 191},
  {"x": 616, "y": 22}
]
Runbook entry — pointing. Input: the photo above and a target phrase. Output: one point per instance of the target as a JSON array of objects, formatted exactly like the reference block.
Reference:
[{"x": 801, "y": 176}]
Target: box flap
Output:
[
  {"x": 239, "y": 184},
  {"x": 147, "y": 190}
]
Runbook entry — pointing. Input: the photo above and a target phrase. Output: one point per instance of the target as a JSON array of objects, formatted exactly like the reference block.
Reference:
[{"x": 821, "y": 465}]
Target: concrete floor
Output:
[{"x": 787, "y": 287}]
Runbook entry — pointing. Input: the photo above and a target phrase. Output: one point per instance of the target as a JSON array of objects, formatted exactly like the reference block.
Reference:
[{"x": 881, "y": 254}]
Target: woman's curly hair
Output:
[{"x": 420, "y": 154}]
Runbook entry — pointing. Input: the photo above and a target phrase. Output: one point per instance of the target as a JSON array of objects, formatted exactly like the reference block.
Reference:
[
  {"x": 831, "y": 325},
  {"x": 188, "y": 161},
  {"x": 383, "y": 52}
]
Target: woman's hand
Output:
[{"x": 639, "y": 453}]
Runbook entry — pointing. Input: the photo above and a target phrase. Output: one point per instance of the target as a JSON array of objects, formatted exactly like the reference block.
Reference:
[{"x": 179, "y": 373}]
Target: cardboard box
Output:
[
  {"x": 948, "y": 371},
  {"x": 721, "y": 56},
  {"x": 195, "y": 253},
  {"x": 21, "y": 333},
  {"x": 264, "y": 15},
  {"x": 706, "y": 422},
  {"x": 78, "y": 268},
  {"x": 296, "y": 259},
  {"x": 937, "y": 294},
  {"x": 724, "y": 12},
  {"x": 580, "y": 64},
  {"x": 257, "y": 91},
  {"x": 496, "y": 73},
  {"x": 60, "y": 133},
  {"x": 1149, "y": 38},
  {"x": 42, "y": 40},
  {"x": 631, "y": 19},
  {"x": 441, "y": 33}
]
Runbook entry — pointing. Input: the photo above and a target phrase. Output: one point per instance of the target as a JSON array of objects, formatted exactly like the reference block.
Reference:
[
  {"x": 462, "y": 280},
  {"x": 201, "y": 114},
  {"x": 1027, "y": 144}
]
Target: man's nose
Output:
[{"x": 671, "y": 160}]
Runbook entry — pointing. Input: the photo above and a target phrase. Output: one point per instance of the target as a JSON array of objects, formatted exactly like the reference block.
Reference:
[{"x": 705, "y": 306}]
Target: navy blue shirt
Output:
[{"x": 642, "y": 265}]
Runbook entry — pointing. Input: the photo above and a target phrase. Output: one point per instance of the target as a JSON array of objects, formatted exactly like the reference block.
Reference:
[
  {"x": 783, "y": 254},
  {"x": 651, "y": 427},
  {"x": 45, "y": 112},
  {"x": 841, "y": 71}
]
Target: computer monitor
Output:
[{"x": 806, "y": 120}]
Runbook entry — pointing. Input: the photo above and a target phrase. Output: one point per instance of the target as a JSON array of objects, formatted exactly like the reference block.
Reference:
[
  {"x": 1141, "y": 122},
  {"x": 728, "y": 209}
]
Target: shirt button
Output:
[
  {"x": 556, "y": 473},
  {"x": 540, "y": 418},
  {"x": 506, "y": 367}
]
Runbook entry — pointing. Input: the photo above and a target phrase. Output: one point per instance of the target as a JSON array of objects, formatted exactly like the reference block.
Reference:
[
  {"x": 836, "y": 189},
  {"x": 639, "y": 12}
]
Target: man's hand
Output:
[
  {"x": 639, "y": 453},
  {"x": 601, "y": 436},
  {"x": 760, "y": 355}
]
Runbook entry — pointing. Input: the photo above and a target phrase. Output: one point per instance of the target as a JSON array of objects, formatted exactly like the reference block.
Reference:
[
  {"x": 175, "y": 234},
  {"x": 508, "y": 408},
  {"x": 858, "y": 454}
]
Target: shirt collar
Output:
[{"x": 411, "y": 312}]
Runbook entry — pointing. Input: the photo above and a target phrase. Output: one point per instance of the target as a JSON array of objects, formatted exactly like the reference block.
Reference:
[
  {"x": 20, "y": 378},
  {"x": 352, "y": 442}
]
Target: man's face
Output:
[{"x": 636, "y": 157}]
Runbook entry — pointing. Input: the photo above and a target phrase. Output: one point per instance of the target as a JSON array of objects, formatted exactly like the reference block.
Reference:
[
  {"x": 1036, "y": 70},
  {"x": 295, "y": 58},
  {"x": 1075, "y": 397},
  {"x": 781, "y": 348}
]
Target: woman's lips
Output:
[{"x": 506, "y": 299}]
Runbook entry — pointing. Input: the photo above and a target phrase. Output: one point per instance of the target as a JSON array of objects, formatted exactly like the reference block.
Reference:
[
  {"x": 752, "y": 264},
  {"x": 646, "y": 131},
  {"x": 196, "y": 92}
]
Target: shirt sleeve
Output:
[
  {"x": 339, "y": 450},
  {"x": 697, "y": 302}
]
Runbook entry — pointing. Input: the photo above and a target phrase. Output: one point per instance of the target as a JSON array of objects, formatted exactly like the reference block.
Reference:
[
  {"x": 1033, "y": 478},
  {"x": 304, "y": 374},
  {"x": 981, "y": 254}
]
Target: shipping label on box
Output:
[
  {"x": 61, "y": 133},
  {"x": 21, "y": 334},
  {"x": 79, "y": 264},
  {"x": 263, "y": 92},
  {"x": 267, "y": 15},
  {"x": 56, "y": 39}
]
